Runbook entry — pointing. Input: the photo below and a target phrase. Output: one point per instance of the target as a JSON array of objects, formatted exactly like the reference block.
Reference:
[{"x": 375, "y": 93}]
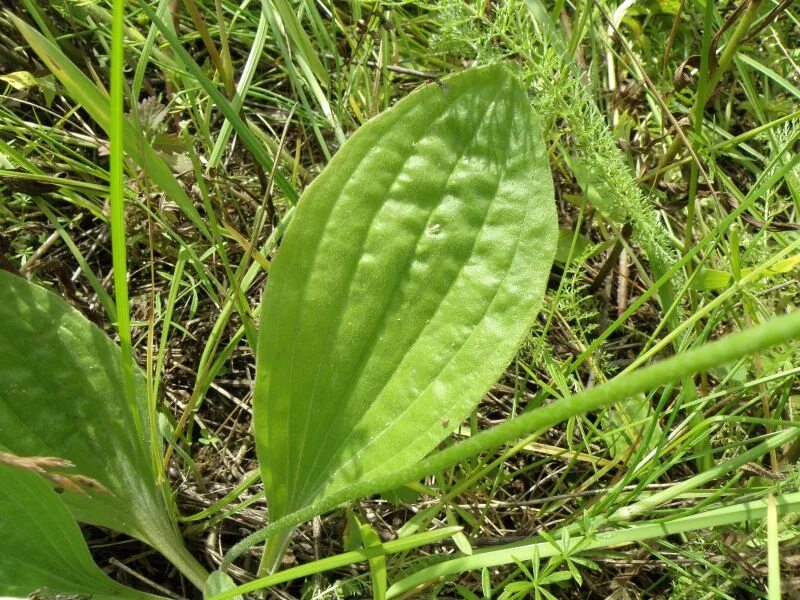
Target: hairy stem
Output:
[{"x": 773, "y": 333}]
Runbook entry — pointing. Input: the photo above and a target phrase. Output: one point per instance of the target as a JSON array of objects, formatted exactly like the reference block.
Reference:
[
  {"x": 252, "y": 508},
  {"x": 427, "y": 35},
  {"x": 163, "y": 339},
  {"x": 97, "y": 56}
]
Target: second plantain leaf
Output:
[
  {"x": 62, "y": 395},
  {"x": 413, "y": 269}
]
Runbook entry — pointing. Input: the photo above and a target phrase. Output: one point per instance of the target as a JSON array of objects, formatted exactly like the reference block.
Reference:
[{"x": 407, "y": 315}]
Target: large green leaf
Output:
[
  {"x": 413, "y": 269},
  {"x": 62, "y": 395},
  {"x": 41, "y": 547}
]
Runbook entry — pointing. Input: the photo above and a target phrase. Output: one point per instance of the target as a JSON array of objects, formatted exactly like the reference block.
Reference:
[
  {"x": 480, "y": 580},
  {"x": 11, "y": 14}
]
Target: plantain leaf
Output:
[
  {"x": 42, "y": 549},
  {"x": 413, "y": 269},
  {"x": 62, "y": 396}
]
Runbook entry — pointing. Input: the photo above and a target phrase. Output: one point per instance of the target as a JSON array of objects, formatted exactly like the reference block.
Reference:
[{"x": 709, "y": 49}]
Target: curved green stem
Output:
[{"x": 730, "y": 348}]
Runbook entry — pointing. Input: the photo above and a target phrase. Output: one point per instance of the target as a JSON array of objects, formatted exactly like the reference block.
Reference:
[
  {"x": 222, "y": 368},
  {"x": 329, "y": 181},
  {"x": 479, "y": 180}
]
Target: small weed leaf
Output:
[{"x": 217, "y": 583}]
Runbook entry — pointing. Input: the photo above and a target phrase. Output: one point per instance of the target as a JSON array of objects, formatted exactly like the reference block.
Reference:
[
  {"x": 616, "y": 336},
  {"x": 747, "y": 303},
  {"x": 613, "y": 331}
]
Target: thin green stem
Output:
[
  {"x": 737, "y": 513},
  {"x": 117, "y": 201},
  {"x": 342, "y": 560},
  {"x": 724, "y": 63}
]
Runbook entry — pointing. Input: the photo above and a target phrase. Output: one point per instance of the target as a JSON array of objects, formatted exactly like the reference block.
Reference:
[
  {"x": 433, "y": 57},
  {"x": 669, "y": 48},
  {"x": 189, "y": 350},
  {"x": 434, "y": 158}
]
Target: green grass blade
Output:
[
  {"x": 299, "y": 41},
  {"x": 773, "y": 551},
  {"x": 242, "y": 129},
  {"x": 117, "y": 202},
  {"x": 246, "y": 78},
  {"x": 737, "y": 513},
  {"x": 96, "y": 104}
]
